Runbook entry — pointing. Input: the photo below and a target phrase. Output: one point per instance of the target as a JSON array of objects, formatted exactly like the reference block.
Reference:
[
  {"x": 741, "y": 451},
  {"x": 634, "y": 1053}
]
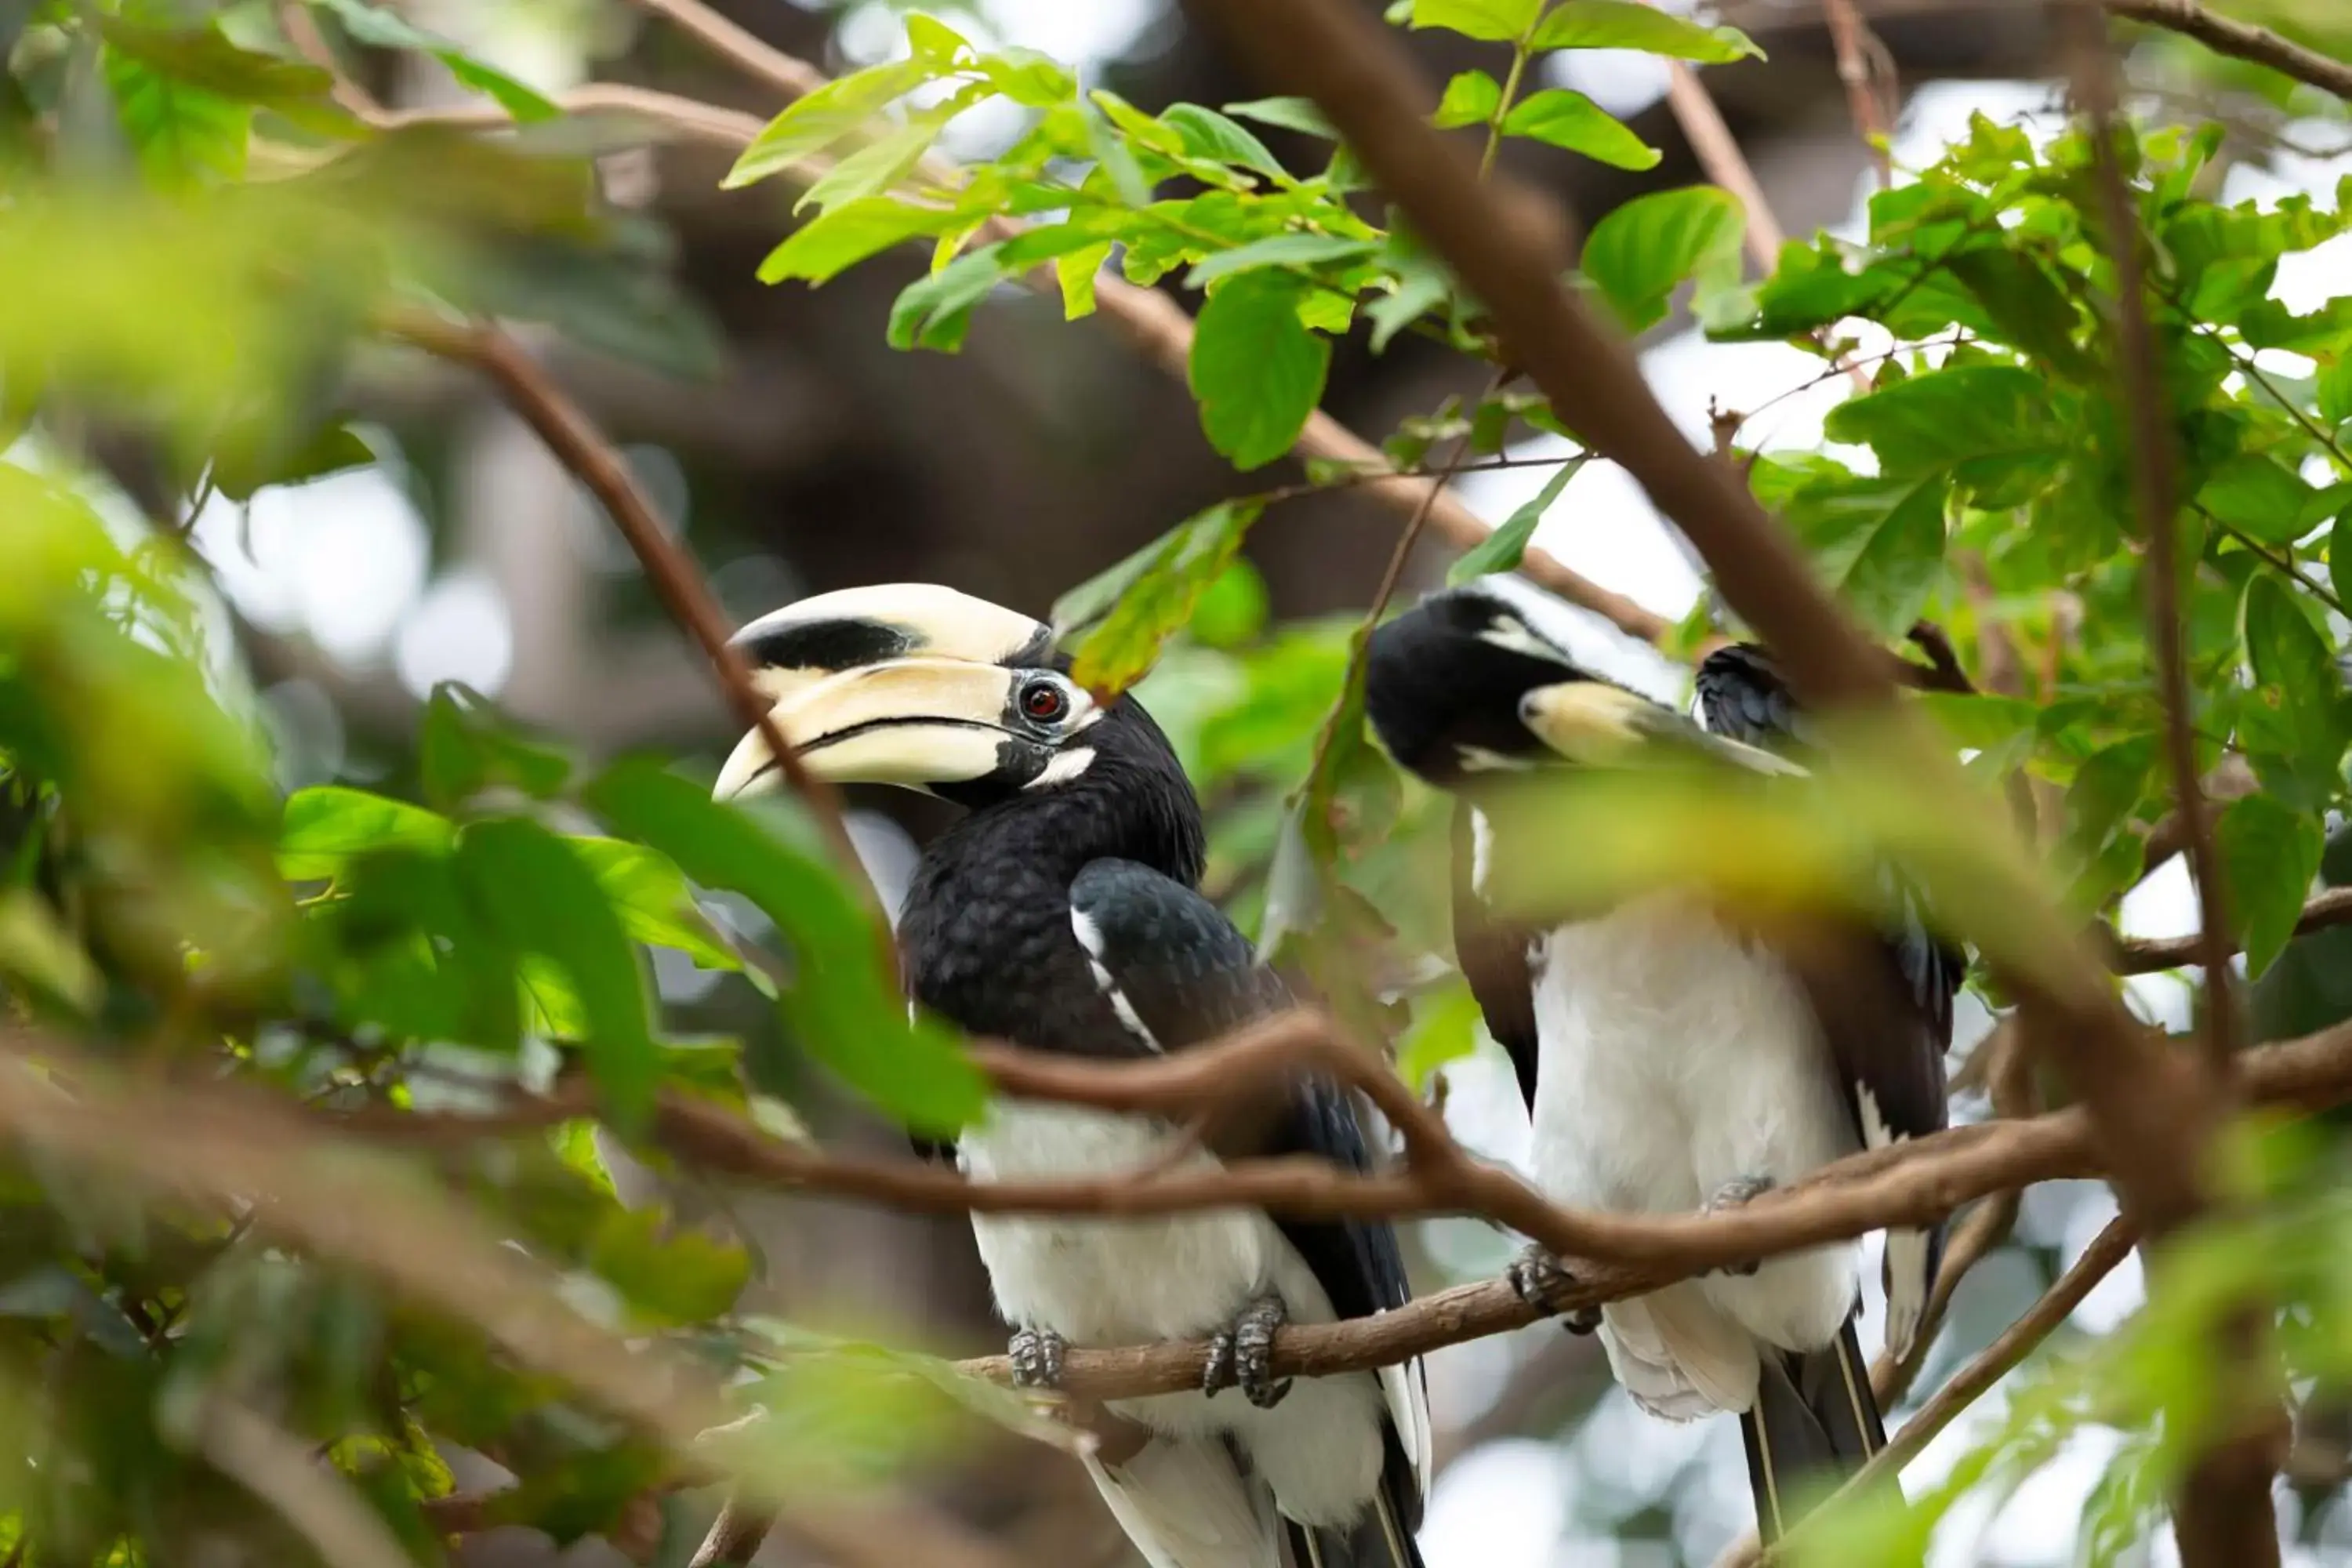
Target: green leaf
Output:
[
  {"x": 1445, "y": 1029},
  {"x": 1299, "y": 114},
  {"x": 848, "y": 234},
  {"x": 833, "y": 112},
  {"x": 1029, "y": 79},
  {"x": 933, "y": 40},
  {"x": 1496, "y": 20},
  {"x": 1640, "y": 253},
  {"x": 1279, "y": 250},
  {"x": 1209, "y": 134},
  {"x": 385, "y": 29},
  {"x": 181, "y": 134},
  {"x": 1501, "y": 550},
  {"x": 1421, "y": 285},
  {"x": 328, "y": 824},
  {"x": 464, "y": 746},
  {"x": 839, "y": 1002},
  {"x": 2269, "y": 855},
  {"x": 38, "y": 953},
  {"x": 2294, "y": 711},
  {"x": 2339, "y": 556},
  {"x": 1470, "y": 99},
  {"x": 881, "y": 164},
  {"x": 203, "y": 58},
  {"x": 1880, "y": 542},
  {"x": 1075, "y": 272},
  {"x": 2258, "y": 496},
  {"x": 649, "y": 893},
  {"x": 1992, "y": 425},
  {"x": 539, "y": 896},
  {"x": 1160, "y": 597},
  {"x": 935, "y": 313},
  {"x": 240, "y": 468},
  {"x": 1630, "y": 24},
  {"x": 2333, "y": 391},
  {"x": 1565, "y": 118},
  {"x": 673, "y": 1275},
  {"x": 1256, "y": 370}
]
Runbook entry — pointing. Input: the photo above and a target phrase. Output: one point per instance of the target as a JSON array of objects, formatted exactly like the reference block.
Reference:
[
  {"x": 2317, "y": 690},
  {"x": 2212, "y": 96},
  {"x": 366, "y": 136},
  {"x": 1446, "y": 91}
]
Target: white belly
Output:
[
  {"x": 1674, "y": 1059},
  {"x": 1105, "y": 1282}
]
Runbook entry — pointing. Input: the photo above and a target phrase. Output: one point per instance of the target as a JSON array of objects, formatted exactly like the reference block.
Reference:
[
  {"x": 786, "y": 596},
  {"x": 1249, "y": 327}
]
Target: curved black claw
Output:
[
  {"x": 1036, "y": 1357},
  {"x": 1242, "y": 1355},
  {"x": 1738, "y": 1193},
  {"x": 1541, "y": 1281}
]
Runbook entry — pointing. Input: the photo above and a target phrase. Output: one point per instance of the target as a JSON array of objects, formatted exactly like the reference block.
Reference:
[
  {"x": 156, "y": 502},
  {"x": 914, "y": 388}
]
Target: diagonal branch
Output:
[
  {"x": 2147, "y": 955},
  {"x": 2241, "y": 40}
]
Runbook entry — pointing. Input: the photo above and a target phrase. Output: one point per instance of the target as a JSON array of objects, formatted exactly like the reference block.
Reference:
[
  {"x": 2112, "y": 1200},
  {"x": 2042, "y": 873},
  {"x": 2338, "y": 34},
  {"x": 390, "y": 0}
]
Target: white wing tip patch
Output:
[
  {"x": 1906, "y": 1250},
  {"x": 1090, "y": 938}
]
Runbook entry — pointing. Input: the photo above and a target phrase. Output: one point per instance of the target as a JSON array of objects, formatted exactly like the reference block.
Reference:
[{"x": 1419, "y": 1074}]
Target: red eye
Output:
[{"x": 1044, "y": 702}]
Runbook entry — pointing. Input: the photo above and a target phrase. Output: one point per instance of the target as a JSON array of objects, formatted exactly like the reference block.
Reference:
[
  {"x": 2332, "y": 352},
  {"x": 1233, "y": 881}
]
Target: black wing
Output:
[
  {"x": 1886, "y": 1009},
  {"x": 1493, "y": 955},
  {"x": 1179, "y": 972}
]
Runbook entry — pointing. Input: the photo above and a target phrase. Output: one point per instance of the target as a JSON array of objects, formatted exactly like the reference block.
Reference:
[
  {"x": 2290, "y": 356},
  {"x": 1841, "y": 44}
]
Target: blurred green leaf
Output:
[
  {"x": 1258, "y": 370},
  {"x": 842, "y": 236},
  {"x": 2269, "y": 856},
  {"x": 671, "y": 1276},
  {"x": 935, "y": 313},
  {"x": 1630, "y": 24},
  {"x": 2255, "y": 495},
  {"x": 1643, "y": 250},
  {"x": 1279, "y": 250},
  {"x": 36, "y": 950},
  {"x": 818, "y": 120},
  {"x": 539, "y": 897},
  {"x": 374, "y": 25},
  {"x": 1161, "y": 597},
  {"x": 839, "y": 1001},
  {"x": 1471, "y": 98},
  {"x": 1299, "y": 114},
  {"x": 1496, "y": 20},
  {"x": 1445, "y": 1029},
  {"x": 464, "y": 747},
  {"x": 1564, "y": 118},
  {"x": 1880, "y": 542},
  {"x": 327, "y": 825},
  {"x": 1502, "y": 550},
  {"x": 652, "y": 899}
]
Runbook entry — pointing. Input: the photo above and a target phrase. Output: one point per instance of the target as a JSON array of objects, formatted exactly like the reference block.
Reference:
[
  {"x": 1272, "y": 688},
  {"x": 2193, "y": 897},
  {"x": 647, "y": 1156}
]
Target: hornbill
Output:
[
  {"x": 1061, "y": 913},
  {"x": 1672, "y": 1058}
]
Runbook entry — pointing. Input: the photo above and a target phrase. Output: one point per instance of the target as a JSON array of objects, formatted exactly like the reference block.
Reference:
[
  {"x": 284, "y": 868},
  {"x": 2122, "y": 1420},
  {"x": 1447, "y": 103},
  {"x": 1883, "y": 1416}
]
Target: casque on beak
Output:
[{"x": 904, "y": 683}]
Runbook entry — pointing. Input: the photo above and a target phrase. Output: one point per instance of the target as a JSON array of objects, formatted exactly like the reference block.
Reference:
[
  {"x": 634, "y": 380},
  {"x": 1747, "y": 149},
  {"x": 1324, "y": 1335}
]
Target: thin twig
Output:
[
  {"x": 2241, "y": 40},
  {"x": 738, "y": 47},
  {"x": 1151, "y": 323},
  {"x": 1966, "y": 1386},
  {"x": 2147, "y": 955},
  {"x": 1847, "y": 33},
  {"x": 2139, "y": 375}
]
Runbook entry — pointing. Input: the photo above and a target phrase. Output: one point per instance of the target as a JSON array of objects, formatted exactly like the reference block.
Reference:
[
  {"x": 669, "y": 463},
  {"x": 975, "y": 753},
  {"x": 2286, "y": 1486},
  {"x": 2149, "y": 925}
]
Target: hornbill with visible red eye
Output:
[
  {"x": 1061, "y": 913},
  {"x": 1671, "y": 1058}
]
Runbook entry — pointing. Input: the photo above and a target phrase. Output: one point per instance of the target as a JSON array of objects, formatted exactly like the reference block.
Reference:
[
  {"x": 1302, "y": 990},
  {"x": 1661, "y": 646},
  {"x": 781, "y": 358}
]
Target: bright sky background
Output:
[{"x": 345, "y": 562}]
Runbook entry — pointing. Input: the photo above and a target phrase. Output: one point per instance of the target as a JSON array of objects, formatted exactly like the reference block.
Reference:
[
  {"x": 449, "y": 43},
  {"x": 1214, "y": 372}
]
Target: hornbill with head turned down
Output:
[
  {"x": 1061, "y": 913},
  {"x": 1674, "y": 1059}
]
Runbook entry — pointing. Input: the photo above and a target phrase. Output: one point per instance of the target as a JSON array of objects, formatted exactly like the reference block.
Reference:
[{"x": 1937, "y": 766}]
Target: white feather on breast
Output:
[
  {"x": 1674, "y": 1058},
  {"x": 1104, "y": 1283}
]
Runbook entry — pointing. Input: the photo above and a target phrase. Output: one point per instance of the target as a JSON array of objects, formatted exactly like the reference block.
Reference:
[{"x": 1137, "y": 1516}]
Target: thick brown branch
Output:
[
  {"x": 2241, "y": 40},
  {"x": 1914, "y": 1183}
]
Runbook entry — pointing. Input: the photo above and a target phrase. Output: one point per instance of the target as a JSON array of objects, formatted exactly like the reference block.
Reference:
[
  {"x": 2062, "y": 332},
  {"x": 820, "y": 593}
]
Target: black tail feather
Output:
[
  {"x": 1814, "y": 1423},
  {"x": 1382, "y": 1538}
]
